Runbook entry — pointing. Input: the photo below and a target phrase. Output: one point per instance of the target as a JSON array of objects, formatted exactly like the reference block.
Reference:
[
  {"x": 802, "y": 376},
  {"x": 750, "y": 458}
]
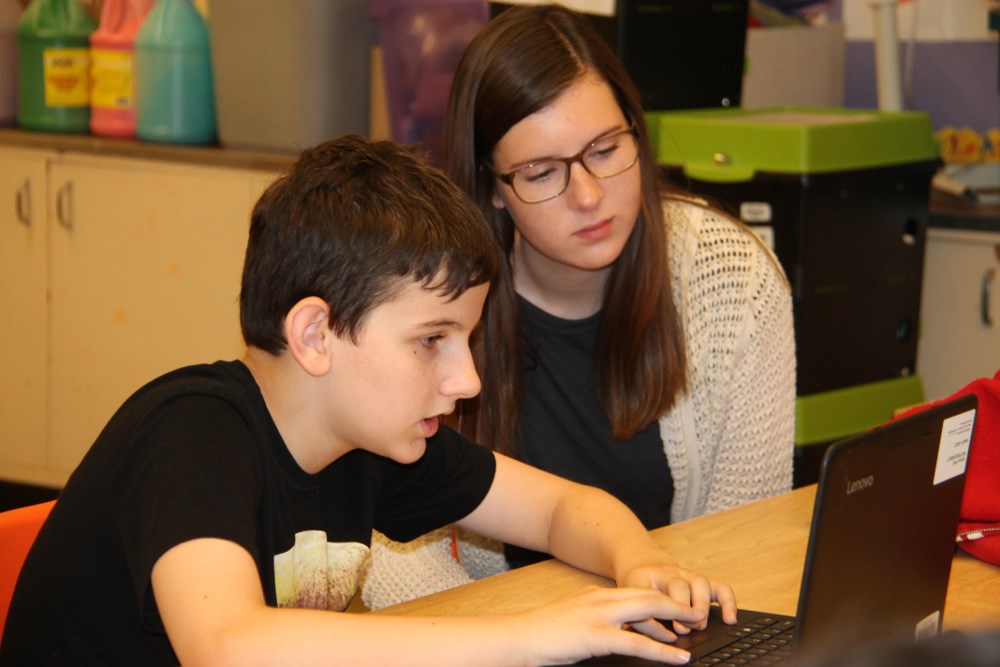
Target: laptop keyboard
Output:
[{"x": 763, "y": 641}]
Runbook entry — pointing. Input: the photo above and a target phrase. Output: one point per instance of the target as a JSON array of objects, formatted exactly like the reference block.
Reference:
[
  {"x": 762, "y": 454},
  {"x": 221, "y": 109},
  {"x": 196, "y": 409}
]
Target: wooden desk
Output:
[{"x": 758, "y": 548}]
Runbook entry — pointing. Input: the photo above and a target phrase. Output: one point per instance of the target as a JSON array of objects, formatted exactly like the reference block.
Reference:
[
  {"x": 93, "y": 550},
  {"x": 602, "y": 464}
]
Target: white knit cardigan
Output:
[{"x": 729, "y": 438}]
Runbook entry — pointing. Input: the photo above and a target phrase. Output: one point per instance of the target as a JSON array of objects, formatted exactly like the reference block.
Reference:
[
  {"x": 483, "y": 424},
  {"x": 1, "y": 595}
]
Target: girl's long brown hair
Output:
[{"x": 516, "y": 66}]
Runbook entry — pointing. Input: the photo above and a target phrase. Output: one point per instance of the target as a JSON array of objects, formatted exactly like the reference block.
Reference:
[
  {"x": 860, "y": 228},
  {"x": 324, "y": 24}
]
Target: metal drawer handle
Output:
[
  {"x": 22, "y": 203},
  {"x": 984, "y": 297},
  {"x": 64, "y": 205}
]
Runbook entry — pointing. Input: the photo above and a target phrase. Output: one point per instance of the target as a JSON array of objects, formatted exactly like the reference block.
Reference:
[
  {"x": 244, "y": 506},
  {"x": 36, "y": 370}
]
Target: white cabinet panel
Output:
[
  {"x": 145, "y": 278},
  {"x": 23, "y": 309},
  {"x": 130, "y": 268},
  {"x": 960, "y": 337}
]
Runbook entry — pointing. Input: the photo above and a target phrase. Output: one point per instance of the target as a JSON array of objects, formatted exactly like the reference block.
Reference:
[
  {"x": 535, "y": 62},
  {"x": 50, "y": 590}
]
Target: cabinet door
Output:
[
  {"x": 145, "y": 271},
  {"x": 960, "y": 337},
  {"x": 23, "y": 325}
]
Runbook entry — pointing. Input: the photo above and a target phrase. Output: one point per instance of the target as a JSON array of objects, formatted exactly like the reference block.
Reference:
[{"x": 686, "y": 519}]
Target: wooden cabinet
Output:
[
  {"x": 960, "y": 320},
  {"x": 130, "y": 268}
]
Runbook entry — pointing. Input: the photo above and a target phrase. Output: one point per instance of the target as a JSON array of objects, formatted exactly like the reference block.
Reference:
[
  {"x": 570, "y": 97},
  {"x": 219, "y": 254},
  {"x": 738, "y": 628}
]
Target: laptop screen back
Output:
[{"x": 883, "y": 530}]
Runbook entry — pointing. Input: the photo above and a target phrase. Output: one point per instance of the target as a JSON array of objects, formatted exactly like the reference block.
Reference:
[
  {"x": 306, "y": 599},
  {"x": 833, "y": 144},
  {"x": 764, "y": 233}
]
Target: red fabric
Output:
[
  {"x": 981, "y": 500},
  {"x": 18, "y": 529}
]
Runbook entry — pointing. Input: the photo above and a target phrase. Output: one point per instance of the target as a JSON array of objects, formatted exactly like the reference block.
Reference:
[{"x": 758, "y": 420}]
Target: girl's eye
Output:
[
  {"x": 539, "y": 172},
  {"x": 602, "y": 151}
]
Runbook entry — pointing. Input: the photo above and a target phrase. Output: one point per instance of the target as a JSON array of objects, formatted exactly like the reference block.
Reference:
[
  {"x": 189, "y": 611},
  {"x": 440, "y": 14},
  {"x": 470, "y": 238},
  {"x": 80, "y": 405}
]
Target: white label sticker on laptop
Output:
[{"x": 953, "y": 450}]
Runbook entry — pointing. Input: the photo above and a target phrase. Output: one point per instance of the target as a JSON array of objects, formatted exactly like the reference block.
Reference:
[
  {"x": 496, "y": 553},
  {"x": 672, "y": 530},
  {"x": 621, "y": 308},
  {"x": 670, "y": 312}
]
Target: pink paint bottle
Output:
[{"x": 112, "y": 74}]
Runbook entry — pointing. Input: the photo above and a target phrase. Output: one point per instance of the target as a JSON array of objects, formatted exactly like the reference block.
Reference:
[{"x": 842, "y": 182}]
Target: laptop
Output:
[{"x": 880, "y": 546}]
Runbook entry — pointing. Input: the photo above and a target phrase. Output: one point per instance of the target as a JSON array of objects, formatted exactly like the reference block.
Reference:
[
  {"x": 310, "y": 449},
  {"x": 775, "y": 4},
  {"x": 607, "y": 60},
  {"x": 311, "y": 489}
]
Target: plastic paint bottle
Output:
[
  {"x": 53, "y": 66},
  {"x": 175, "y": 99},
  {"x": 112, "y": 67}
]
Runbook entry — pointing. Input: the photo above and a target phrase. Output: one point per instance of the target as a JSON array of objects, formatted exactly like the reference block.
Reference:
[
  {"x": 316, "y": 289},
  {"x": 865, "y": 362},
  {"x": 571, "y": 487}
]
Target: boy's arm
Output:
[
  {"x": 209, "y": 597},
  {"x": 589, "y": 529}
]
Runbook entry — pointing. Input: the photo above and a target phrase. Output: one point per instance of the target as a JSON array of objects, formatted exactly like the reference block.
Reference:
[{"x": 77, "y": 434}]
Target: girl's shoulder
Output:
[
  {"x": 689, "y": 216},
  {"x": 702, "y": 237}
]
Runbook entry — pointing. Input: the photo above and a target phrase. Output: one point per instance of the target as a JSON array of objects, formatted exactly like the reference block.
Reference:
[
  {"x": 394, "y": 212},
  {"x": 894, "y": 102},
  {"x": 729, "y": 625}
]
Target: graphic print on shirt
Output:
[{"x": 316, "y": 574}]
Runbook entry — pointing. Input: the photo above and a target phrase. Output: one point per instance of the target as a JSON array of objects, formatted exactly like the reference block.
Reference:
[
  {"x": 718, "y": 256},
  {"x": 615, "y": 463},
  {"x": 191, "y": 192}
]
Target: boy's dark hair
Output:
[{"x": 350, "y": 223}]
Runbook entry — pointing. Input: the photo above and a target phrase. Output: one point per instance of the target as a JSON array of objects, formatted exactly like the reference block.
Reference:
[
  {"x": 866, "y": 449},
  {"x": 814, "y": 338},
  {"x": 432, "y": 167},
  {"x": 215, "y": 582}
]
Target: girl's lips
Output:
[
  {"x": 597, "y": 231},
  {"x": 430, "y": 426}
]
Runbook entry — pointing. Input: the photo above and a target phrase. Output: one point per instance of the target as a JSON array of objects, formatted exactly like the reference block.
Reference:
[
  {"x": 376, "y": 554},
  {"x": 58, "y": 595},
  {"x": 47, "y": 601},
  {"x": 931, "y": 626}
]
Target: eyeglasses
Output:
[{"x": 541, "y": 181}]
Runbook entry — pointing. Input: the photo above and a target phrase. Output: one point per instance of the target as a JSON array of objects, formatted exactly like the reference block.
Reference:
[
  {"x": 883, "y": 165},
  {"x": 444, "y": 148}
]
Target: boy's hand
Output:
[
  {"x": 595, "y": 622},
  {"x": 684, "y": 587}
]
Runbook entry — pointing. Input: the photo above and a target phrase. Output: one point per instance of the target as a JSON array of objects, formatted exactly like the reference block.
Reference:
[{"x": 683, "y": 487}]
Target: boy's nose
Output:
[{"x": 463, "y": 381}]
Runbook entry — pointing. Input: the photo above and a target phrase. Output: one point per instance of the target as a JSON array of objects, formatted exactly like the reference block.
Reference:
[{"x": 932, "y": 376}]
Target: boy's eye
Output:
[{"x": 430, "y": 341}]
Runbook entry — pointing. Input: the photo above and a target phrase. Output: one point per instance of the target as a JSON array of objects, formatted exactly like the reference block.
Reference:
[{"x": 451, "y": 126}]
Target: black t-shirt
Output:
[
  {"x": 195, "y": 454},
  {"x": 563, "y": 428}
]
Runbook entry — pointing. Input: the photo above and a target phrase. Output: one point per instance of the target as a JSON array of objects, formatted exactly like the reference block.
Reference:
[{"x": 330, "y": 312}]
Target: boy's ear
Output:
[{"x": 308, "y": 333}]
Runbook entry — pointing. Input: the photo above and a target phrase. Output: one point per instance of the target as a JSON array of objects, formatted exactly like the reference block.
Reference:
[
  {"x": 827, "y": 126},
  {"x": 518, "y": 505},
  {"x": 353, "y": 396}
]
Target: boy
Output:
[{"x": 226, "y": 508}]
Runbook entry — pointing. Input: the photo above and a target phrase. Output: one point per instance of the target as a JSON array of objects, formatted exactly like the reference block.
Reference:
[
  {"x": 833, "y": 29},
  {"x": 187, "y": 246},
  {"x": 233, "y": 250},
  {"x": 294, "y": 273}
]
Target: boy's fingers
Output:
[
  {"x": 620, "y": 621},
  {"x": 727, "y": 601},
  {"x": 652, "y": 604},
  {"x": 668, "y": 606},
  {"x": 681, "y": 590},
  {"x": 702, "y": 592},
  {"x": 633, "y": 643},
  {"x": 654, "y": 629}
]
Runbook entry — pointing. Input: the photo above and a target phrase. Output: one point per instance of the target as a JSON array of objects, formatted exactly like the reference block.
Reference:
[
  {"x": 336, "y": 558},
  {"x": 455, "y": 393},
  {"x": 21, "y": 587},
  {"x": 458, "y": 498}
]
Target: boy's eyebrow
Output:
[
  {"x": 439, "y": 324},
  {"x": 445, "y": 324}
]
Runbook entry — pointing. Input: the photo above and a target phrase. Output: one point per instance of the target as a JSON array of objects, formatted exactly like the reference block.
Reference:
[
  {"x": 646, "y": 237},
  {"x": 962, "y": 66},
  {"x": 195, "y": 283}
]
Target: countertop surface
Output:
[
  {"x": 201, "y": 155},
  {"x": 951, "y": 212}
]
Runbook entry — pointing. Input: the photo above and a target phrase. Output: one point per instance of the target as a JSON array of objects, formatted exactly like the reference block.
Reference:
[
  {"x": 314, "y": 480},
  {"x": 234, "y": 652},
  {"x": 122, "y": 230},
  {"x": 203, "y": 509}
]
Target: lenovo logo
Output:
[{"x": 860, "y": 484}]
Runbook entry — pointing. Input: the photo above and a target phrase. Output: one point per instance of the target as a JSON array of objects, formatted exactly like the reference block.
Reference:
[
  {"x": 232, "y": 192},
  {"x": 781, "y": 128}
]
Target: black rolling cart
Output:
[{"x": 842, "y": 197}]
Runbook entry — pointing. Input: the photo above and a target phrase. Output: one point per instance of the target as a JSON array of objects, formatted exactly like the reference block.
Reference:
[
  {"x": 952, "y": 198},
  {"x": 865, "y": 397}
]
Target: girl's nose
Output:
[{"x": 584, "y": 189}]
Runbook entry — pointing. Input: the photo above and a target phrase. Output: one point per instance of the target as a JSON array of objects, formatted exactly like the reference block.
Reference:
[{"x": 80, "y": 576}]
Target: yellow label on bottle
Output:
[
  {"x": 111, "y": 79},
  {"x": 66, "y": 77}
]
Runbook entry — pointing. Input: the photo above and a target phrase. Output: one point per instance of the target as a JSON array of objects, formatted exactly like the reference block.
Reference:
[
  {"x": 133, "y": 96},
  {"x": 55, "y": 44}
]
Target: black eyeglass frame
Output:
[{"x": 508, "y": 177}]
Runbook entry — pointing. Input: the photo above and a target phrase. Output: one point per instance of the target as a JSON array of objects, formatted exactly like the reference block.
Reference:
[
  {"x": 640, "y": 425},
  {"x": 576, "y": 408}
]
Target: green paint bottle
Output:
[{"x": 53, "y": 66}]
